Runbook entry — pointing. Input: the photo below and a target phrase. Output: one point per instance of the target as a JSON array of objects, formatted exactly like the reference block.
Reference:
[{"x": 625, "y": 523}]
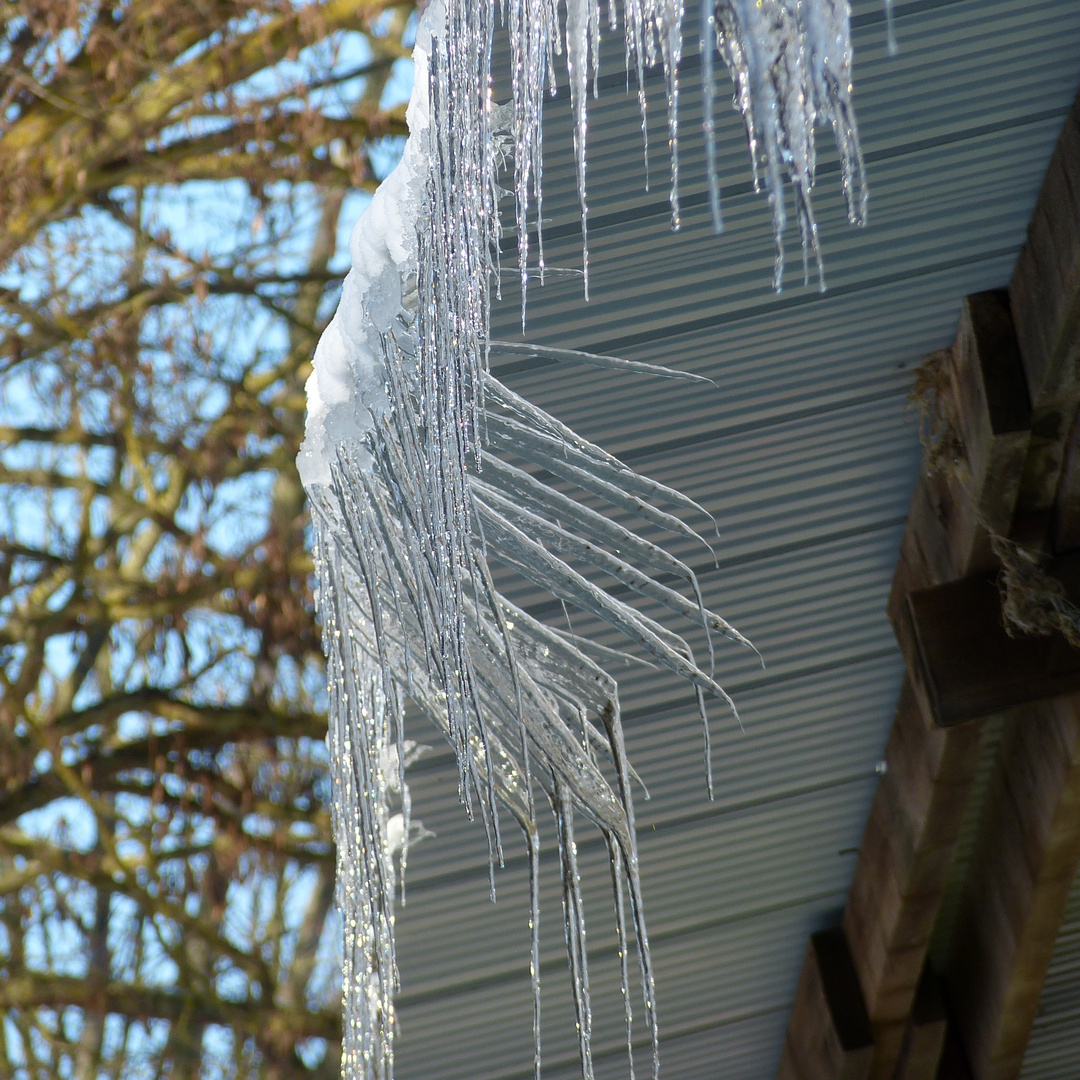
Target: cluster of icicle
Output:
[
  {"x": 790, "y": 61},
  {"x": 421, "y": 467}
]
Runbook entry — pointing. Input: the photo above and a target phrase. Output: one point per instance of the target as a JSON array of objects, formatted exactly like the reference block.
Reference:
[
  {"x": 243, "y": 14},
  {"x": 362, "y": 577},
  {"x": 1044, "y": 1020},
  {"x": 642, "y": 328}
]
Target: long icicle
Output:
[{"x": 399, "y": 424}]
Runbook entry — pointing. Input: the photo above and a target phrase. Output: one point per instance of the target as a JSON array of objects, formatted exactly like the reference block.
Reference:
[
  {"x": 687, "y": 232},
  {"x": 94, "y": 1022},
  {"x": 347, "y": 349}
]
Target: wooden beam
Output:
[
  {"x": 918, "y": 808},
  {"x": 1044, "y": 292},
  {"x": 1026, "y": 857},
  {"x": 829, "y": 1036},
  {"x": 903, "y": 866},
  {"x": 1029, "y": 839}
]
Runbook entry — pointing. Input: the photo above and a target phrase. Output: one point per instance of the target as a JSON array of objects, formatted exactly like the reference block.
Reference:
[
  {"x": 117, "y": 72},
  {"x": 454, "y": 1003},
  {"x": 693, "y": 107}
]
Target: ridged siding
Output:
[{"x": 805, "y": 453}]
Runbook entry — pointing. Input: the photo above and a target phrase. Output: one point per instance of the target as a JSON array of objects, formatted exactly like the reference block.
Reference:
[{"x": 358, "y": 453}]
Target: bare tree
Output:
[{"x": 175, "y": 175}]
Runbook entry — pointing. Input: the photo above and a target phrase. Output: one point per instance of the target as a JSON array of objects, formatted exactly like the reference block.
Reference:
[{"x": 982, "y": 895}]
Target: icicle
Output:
[
  {"x": 891, "y": 44},
  {"x": 635, "y": 56},
  {"x": 578, "y": 22},
  {"x": 828, "y": 43},
  {"x": 708, "y": 93},
  {"x": 532, "y": 841},
  {"x": 670, "y": 32},
  {"x": 615, "y": 860},
  {"x": 773, "y": 48},
  {"x": 611, "y": 363},
  {"x": 574, "y": 918},
  {"x": 628, "y": 843}
]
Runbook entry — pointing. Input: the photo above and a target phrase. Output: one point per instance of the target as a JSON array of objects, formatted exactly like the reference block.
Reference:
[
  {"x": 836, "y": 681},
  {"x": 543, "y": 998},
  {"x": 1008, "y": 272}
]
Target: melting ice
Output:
[{"x": 421, "y": 466}]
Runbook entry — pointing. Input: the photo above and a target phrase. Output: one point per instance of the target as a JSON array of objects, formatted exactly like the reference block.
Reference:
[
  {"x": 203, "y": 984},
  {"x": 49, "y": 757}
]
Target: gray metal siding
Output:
[{"x": 806, "y": 454}]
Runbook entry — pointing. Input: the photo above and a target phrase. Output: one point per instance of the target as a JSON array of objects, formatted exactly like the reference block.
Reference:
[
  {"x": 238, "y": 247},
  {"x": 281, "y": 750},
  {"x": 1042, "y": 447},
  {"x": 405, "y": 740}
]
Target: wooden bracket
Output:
[
  {"x": 925, "y": 1034},
  {"x": 963, "y": 663},
  {"x": 829, "y": 1035}
]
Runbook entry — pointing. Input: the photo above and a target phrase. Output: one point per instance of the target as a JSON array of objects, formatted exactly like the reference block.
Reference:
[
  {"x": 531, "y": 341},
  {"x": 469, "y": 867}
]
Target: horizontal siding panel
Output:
[{"x": 492, "y": 1025}]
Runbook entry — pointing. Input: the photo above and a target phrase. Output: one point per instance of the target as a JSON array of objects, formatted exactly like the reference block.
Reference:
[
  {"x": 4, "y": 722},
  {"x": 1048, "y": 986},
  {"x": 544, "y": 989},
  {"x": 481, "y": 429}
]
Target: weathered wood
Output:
[
  {"x": 1040, "y": 482},
  {"x": 962, "y": 662},
  {"x": 918, "y": 809},
  {"x": 987, "y": 401},
  {"x": 1066, "y": 525},
  {"x": 910, "y": 837},
  {"x": 1044, "y": 292},
  {"x": 829, "y": 1035},
  {"x": 1025, "y": 860},
  {"x": 1044, "y": 296},
  {"x": 924, "y": 1035}
]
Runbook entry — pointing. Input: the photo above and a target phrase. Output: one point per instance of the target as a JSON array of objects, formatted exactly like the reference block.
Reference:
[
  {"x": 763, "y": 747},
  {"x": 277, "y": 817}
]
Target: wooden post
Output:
[
  {"x": 903, "y": 866},
  {"x": 918, "y": 809}
]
